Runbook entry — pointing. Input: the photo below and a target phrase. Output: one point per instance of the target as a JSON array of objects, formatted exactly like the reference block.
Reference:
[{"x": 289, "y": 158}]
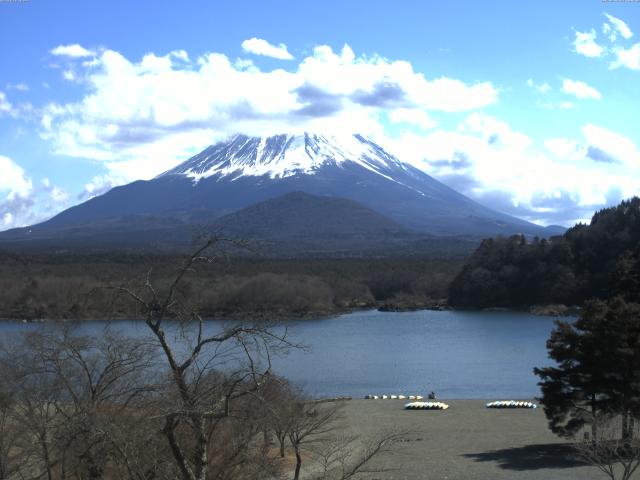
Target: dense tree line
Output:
[
  {"x": 70, "y": 286},
  {"x": 599, "y": 260}
]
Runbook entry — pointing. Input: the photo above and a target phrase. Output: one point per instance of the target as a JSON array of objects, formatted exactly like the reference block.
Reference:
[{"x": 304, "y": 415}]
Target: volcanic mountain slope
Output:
[
  {"x": 299, "y": 224},
  {"x": 299, "y": 214},
  {"x": 243, "y": 171}
]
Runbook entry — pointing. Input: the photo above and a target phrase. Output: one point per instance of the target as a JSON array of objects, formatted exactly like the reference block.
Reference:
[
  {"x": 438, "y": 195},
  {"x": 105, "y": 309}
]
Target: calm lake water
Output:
[{"x": 456, "y": 354}]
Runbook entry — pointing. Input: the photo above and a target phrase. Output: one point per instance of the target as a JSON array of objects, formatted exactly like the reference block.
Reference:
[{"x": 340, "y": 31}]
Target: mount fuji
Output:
[{"x": 227, "y": 183}]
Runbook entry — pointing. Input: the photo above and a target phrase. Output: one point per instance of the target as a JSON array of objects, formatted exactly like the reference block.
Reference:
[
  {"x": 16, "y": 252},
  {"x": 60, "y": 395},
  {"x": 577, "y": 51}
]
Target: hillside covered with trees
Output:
[{"x": 599, "y": 260}]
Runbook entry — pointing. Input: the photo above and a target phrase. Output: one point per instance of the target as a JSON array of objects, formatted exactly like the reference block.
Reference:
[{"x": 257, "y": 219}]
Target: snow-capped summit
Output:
[{"x": 282, "y": 156}]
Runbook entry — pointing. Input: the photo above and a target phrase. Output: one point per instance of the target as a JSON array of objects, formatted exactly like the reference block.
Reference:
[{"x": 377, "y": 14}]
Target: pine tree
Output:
[{"x": 597, "y": 368}]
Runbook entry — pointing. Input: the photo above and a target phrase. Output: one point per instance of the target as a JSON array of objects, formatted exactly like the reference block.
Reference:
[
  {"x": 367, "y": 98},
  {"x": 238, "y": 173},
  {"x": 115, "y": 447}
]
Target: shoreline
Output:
[{"x": 537, "y": 310}]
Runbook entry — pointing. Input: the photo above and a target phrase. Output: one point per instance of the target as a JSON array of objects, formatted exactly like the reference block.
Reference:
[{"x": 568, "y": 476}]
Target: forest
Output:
[
  {"x": 35, "y": 286},
  {"x": 599, "y": 260}
]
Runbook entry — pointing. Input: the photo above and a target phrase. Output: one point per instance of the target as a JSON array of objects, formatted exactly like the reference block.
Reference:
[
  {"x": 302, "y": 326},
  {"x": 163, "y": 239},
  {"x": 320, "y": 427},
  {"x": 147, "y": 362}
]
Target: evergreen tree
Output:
[
  {"x": 597, "y": 368},
  {"x": 626, "y": 277}
]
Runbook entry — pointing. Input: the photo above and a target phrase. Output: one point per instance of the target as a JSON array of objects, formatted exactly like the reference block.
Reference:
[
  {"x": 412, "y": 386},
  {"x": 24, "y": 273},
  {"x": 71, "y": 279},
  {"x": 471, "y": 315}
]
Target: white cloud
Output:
[
  {"x": 563, "y": 182},
  {"x": 599, "y": 145},
  {"x": 258, "y": 46},
  {"x": 21, "y": 110},
  {"x": 615, "y": 27},
  {"x": 59, "y": 195},
  {"x": 579, "y": 89},
  {"x": 629, "y": 57},
  {"x": 141, "y": 118},
  {"x": 494, "y": 131},
  {"x": 15, "y": 194},
  {"x": 22, "y": 203},
  {"x": 567, "y": 149},
  {"x": 22, "y": 87},
  {"x": 612, "y": 147},
  {"x": 5, "y": 105},
  {"x": 562, "y": 105},
  {"x": 449, "y": 95},
  {"x": 69, "y": 75},
  {"x": 13, "y": 180},
  {"x": 73, "y": 50},
  {"x": 98, "y": 185},
  {"x": 585, "y": 44},
  {"x": 543, "y": 88},
  {"x": 180, "y": 55},
  {"x": 412, "y": 116}
]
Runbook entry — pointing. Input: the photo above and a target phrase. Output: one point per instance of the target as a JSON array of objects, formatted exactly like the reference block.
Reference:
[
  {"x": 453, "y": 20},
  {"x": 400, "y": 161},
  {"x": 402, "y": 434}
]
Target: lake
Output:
[{"x": 459, "y": 355}]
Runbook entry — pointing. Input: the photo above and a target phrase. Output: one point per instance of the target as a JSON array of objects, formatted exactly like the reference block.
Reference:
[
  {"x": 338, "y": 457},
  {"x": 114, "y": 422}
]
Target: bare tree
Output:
[
  {"x": 281, "y": 402},
  {"x": 36, "y": 412},
  {"x": 103, "y": 377},
  {"x": 12, "y": 439},
  {"x": 199, "y": 401},
  {"x": 73, "y": 398},
  {"x": 348, "y": 457},
  {"x": 311, "y": 423},
  {"x": 317, "y": 429},
  {"x": 615, "y": 448}
]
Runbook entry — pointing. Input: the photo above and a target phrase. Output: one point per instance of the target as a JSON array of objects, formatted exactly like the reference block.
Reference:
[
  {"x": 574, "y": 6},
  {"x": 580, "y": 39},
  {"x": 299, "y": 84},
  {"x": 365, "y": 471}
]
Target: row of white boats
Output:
[
  {"x": 426, "y": 406},
  {"x": 511, "y": 404},
  {"x": 420, "y": 405},
  {"x": 393, "y": 397}
]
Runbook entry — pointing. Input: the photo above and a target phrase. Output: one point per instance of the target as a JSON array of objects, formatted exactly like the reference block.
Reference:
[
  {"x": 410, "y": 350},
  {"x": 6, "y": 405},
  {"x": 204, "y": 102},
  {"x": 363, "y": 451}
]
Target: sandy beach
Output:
[{"x": 467, "y": 441}]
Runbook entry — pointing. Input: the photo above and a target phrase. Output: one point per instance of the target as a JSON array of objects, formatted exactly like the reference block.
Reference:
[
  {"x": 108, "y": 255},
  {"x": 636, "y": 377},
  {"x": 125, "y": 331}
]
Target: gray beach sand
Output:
[{"x": 467, "y": 441}]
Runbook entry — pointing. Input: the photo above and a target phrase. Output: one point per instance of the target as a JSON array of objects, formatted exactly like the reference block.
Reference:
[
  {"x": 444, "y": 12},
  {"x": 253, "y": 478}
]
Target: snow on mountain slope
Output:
[{"x": 282, "y": 156}]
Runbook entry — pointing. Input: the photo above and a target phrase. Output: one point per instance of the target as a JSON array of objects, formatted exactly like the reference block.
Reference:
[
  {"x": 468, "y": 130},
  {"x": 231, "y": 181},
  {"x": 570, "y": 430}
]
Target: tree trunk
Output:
[
  {"x": 95, "y": 472},
  {"x": 594, "y": 422},
  {"x": 178, "y": 455},
  {"x": 625, "y": 427},
  {"x": 282, "y": 439},
  {"x": 296, "y": 474},
  {"x": 47, "y": 458},
  {"x": 201, "y": 447},
  {"x": 63, "y": 464}
]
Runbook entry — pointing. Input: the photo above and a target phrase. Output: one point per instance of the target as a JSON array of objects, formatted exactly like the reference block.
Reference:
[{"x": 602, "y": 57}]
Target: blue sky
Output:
[{"x": 529, "y": 107}]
